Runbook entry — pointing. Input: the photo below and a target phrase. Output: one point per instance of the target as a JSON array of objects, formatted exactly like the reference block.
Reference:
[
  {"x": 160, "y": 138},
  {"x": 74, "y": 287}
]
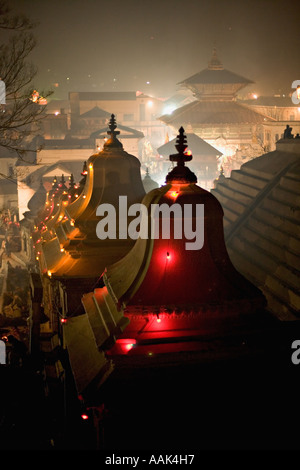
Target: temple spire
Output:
[
  {"x": 215, "y": 63},
  {"x": 71, "y": 182},
  {"x": 181, "y": 173},
  {"x": 113, "y": 141}
]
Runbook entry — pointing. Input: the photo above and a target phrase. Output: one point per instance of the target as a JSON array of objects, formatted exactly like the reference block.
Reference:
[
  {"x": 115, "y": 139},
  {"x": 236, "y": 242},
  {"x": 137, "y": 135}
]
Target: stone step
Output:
[
  {"x": 291, "y": 183},
  {"x": 233, "y": 205},
  {"x": 288, "y": 295},
  {"x": 274, "y": 250},
  {"x": 285, "y": 196},
  {"x": 282, "y": 209},
  {"x": 294, "y": 173},
  {"x": 257, "y": 255},
  {"x": 246, "y": 178},
  {"x": 279, "y": 305},
  {"x": 271, "y": 260},
  {"x": 291, "y": 277},
  {"x": 257, "y": 173},
  {"x": 274, "y": 234},
  {"x": 242, "y": 187},
  {"x": 226, "y": 223},
  {"x": 225, "y": 191},
  {"x": 230, "y": 215},
  {"x": 279, "y": 222}
]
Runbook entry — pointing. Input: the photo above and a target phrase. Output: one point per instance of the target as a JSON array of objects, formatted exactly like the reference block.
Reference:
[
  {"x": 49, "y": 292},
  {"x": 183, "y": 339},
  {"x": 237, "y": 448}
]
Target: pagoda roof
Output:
[
  {"x": 95, "y": 112},
  {"x": 273, "y": 101},
  {"x": 215, "y": 76},
  {"x": 200, "y": 113},
  {"x": 197, "y": 146},
  {"x": 66, "y": 167},
  {"x": 128, "y": 133}
]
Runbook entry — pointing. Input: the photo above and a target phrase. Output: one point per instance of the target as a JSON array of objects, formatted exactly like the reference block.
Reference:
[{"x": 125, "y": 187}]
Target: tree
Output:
[{"x": 22, "y": 111}]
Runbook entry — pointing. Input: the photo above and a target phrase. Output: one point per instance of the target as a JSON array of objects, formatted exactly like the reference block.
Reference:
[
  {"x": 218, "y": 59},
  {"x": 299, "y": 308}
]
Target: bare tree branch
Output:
[
  {"x": 20, "y": 117},
  {"x": 8, "y": 21}
]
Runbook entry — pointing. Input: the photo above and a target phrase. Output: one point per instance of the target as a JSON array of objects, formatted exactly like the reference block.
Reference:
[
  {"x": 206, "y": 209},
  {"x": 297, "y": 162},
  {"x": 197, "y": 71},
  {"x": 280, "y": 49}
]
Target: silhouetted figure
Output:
[{"x": 288, "y": 132}]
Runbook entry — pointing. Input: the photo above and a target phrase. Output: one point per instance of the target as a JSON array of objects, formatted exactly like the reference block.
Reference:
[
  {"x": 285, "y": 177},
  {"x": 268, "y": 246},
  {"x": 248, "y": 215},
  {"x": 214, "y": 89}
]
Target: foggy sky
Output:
[{"x": 97, "y": 45}]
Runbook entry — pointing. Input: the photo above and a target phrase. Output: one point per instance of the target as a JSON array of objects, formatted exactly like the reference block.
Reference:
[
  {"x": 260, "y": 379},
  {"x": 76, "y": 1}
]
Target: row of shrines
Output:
[{"x": 115, "y": 301}]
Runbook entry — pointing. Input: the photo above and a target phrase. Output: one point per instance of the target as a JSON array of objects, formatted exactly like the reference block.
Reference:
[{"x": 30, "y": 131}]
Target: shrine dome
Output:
[
  {"x": 173, "y": 285},
  {"x": 72, "y": 247},
  {"x": 176, "y": 273}
]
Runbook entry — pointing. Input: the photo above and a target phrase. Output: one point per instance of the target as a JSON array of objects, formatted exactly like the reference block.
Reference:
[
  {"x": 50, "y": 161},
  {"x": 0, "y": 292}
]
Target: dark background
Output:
[{"x": 121, "y": 45}]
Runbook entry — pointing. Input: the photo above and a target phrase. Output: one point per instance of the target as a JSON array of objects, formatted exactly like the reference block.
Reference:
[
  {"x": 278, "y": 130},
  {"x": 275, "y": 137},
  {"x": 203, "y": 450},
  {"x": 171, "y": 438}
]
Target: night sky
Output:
[{"x": 96, "y": 45}]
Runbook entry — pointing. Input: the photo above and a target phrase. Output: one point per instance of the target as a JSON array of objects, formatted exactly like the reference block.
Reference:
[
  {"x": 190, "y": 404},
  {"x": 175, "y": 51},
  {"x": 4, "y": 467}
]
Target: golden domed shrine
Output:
[{"x": 70, "y": 255}]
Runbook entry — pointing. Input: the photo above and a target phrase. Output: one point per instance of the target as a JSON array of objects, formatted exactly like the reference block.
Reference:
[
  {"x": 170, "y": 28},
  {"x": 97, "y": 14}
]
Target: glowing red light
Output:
[
  {"x": 158, "y": 320},
  {"x": 84, "y": 416},
  {"x": 126, "y": 344},
  {"x": 63, "y": 320},
  {"x": 168, "y": 255},
  {"x": 188, "y": 152}
]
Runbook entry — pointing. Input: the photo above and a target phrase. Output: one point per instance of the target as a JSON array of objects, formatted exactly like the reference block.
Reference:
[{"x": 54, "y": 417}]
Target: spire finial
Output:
[
  {"x": 215, "y": 63},
  {"x": 84, "y": 169},
  {"x": 113, "y": 141},
  {"x": 181, "y": 146},
  {"x": 71, "y": 181},
  {"x": 181, "y": 173}
]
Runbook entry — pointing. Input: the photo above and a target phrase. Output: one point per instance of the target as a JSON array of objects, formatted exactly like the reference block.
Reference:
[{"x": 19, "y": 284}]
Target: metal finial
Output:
[
  {"x": 181, "y": 146},
  {"x": 215, "y": 63},
  {"x": 181, "y": 173},
  {"x": 84, "y": 169},
  {"x": 113, "y": 141},
  {"x": 72, "y": 182}
]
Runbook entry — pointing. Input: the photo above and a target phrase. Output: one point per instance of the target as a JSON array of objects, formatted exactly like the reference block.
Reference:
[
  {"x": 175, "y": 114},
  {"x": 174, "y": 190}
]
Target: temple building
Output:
[
  {"x": 280, "y": 108},
  {"x": 218, "y": 117}
]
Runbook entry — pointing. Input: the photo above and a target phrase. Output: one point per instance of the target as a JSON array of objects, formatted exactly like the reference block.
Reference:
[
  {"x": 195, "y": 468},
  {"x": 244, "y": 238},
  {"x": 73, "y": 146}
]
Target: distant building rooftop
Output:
[
  {"x": 103, "y": 95},
  {"x": 197, "y": 146},
  {"x": 214, "y": 112},
  {"x": 279, "y": 101},
  {"x": 95, "y": 112}
]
